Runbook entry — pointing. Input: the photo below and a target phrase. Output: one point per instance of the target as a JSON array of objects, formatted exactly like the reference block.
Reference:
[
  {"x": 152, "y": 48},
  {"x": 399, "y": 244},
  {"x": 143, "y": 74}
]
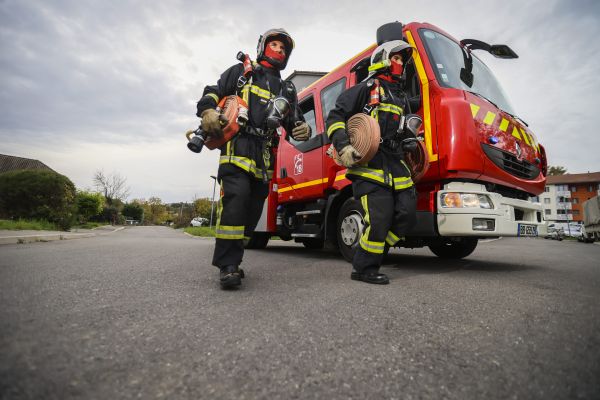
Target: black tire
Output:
[
  {"x": 349, "y": 227},
  {"x": 313, "y": 243},
  {"x": 258, "y": 240},
  {"x": 455, "y": 249}
]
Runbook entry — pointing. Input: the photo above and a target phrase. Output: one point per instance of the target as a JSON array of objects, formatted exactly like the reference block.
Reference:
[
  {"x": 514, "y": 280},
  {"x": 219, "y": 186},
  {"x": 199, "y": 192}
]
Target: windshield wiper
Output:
[{"x": 499, "y": 108}]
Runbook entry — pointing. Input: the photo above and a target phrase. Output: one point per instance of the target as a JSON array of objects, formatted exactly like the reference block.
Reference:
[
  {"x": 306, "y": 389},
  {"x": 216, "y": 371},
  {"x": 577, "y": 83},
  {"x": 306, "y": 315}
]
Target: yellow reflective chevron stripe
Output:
[
  {"x": 515, "y": 133},
  {"x": 474, "y": 109},
  {"x": 403, "y": 182},
  {"x": 503, "y": 125},
  {"x": 489, "y": 118},
  {"x": 525, "y": 136},
  {"x": 335, "y": 126},
  {"x": 391, "y": 108},
  {"x": 213, "y": 96},
  {"x": 229, "y": 232}
]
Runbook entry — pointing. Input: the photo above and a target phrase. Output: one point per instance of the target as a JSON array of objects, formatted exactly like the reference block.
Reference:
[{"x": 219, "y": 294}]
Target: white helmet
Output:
[
  {"x": 280, "y": 34},
  {"x": 380, "y": 58}
]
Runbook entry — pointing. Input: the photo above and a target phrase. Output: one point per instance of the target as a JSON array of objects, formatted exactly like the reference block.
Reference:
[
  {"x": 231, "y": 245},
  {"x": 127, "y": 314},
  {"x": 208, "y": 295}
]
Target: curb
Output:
[{"x": 21, "y": 239}]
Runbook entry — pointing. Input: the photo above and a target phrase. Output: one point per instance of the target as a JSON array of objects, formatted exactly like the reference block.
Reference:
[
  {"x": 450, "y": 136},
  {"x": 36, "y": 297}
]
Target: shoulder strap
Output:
[{"x": 374, "y": 96}]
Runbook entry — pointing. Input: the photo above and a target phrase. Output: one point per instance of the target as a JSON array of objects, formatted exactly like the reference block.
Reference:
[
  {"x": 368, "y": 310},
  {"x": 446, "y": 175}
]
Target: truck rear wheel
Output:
[
  {"x": 349, "y": 228},
  {"x": 455, "y": 249},
  {"x": 258, "y": 240}
]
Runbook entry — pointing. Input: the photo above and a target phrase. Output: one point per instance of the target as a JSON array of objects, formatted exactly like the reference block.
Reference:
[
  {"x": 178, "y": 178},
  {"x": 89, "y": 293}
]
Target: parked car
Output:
[
  {"x": 555, "y": 233},
  {"x": 199, "y": 221}
]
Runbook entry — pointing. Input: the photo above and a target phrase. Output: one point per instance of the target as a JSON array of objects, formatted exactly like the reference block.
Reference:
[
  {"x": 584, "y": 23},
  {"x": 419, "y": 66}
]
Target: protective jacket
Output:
[
  {"x": 251, "y": 149},
  {"x": 387, "y": 167}
]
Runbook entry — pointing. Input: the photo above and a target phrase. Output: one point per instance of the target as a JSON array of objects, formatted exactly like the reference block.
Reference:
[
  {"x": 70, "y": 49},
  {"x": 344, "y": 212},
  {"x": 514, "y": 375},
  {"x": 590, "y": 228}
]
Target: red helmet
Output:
[{"x": 272, "y": 34}]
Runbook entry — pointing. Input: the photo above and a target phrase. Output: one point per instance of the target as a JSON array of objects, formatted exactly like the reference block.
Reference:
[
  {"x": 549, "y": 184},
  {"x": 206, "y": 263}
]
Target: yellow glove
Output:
[
  {"x": 301, "y": 132},
  {"x": 211, "y": 123},
  {"x": 349, "y": 156}
]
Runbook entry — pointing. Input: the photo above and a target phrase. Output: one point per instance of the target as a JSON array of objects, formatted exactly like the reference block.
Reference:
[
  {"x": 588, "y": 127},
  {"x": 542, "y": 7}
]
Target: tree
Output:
[
  {"x": 38, "y": 194},
  {"x": 155, "y": 212},
  {"x": 88, "y": 205},
  {"x": 134, "y": 210},
  {"x": 113, "y": 186},
  {"x": 556, "y": 170},
  {"x": 203, "y": 207}
]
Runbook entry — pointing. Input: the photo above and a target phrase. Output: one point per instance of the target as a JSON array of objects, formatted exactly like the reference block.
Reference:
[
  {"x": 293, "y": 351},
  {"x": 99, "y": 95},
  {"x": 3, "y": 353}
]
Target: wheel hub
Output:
[{"x": 351, "y": 229}]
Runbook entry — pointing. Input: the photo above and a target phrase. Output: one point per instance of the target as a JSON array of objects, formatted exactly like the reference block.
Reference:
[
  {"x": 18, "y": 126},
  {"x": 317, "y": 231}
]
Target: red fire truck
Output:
[{"x": 485, "y": 163}]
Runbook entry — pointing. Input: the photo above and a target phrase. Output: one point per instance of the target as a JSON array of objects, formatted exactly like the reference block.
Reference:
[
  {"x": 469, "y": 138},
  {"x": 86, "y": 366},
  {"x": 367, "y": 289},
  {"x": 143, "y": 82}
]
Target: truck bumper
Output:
[{"x": 507, "y": 217}]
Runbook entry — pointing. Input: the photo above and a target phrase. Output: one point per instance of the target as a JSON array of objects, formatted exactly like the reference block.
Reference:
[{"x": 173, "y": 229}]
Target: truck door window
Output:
[
  {"x": 330, "y": 94},
  {"x": 307, "y": 106}
]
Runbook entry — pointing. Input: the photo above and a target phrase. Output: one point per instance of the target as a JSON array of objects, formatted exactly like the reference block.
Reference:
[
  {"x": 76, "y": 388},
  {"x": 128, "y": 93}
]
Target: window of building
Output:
[
  {"x": 575, "y": 212},
  {"x": 575, "y": 200},
  {"x": 330, "y": 94},
  {"x": 546, "y": 201},
  {"x": 573, "y": 188},
  {"x": 590, "y": 188},
  {"x": 547, "y": 189},
  {"x": 547, "y": 211}
]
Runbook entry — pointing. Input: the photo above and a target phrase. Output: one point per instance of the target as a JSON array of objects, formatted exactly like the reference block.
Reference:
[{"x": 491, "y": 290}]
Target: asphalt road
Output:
[{"x": 138, "y": 314}]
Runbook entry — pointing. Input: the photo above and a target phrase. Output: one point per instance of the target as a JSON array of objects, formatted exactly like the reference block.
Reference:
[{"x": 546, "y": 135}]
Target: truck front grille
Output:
[{"x": 511, "y": 164}]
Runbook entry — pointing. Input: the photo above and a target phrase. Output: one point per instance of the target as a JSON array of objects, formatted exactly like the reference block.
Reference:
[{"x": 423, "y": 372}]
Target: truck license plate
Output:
[{"x": 527, "y": 230}]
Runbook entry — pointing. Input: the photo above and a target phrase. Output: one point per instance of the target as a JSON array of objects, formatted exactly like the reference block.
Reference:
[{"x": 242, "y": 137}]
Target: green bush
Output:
[
  {"x": 133, "y": 211},
  {"x": 88, "y": 205},
  {"x": 200, "y": 231},
  {"x": 37, "y": 194}
]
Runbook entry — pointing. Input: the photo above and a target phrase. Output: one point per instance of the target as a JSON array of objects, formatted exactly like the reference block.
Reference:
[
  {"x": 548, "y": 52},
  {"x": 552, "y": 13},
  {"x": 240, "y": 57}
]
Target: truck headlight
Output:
[{"x": 465, "y": 200}]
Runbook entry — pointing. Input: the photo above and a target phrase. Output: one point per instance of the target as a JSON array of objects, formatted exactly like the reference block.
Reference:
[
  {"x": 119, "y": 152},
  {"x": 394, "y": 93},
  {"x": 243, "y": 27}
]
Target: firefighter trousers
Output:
[
  {"x": 239, "y": 209},
  {"x": 389, "y": 215}
]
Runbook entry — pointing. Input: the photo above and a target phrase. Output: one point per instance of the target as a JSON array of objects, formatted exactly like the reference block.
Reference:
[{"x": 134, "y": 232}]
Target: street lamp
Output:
[{"x": 212, "y": 201}]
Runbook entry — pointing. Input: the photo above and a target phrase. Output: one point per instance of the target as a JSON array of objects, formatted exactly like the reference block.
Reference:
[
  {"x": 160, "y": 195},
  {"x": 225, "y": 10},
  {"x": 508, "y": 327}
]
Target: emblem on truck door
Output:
[{"x": 298, "y": 164}]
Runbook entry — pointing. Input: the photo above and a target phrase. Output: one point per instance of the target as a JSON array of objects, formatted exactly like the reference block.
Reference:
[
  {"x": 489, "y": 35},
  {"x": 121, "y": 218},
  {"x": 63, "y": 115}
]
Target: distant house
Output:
[
  {"x": 565, "y": 194},
  {"x": 12, "y": 163},
  {"x": 302, "y": 79}
]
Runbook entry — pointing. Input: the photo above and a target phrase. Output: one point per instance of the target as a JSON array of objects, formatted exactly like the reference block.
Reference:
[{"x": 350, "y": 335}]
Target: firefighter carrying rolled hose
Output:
[
  {"x": 383, "y": 184},
  {"x": 245, "y": 165}
]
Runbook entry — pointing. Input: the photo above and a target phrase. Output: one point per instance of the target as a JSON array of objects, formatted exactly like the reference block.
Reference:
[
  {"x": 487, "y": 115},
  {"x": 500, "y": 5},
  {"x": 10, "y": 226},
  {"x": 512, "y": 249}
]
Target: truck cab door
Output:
[{"x": 300, "y": 164}]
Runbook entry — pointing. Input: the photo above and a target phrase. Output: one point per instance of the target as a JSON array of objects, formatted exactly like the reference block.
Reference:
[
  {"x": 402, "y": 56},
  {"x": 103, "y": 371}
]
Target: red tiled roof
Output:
[{"x": 591, "y": 177}]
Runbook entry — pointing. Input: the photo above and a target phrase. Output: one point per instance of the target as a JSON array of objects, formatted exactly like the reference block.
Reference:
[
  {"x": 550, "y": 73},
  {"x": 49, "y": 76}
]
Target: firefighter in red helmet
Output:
[
  {"x": 245, "y": 164},
  {"x": 384, "y": 185}
]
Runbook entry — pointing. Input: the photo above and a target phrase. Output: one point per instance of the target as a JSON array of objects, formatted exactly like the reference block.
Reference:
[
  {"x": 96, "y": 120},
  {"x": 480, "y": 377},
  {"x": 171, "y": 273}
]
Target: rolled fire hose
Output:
[
  {"x": 364, "y": 134},
  {"x": 233, "y": 110},
  {"x": 418, "y": 161}
]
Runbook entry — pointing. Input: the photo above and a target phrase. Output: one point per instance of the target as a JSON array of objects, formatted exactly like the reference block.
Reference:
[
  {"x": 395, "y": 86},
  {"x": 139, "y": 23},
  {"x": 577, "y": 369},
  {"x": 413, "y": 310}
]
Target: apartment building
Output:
[{"x": 564, "y": 195}]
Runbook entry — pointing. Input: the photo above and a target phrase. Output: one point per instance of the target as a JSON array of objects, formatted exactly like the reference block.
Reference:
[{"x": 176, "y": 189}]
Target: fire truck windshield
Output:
[{"x": 447, "y": 60}]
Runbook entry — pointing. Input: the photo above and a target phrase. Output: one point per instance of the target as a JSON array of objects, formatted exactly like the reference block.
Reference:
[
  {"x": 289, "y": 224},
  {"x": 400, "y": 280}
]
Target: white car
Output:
[{"x": 199, "y": 221}]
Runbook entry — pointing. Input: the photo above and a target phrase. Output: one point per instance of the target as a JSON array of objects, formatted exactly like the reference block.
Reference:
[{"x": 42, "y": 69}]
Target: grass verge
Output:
[{"x": 34, "y": 225}]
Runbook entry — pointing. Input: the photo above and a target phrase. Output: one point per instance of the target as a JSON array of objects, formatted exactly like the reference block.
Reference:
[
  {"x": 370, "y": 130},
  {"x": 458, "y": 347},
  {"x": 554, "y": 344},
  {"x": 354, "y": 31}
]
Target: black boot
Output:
[
  {"x": 230, "y": 276},
  {"x": 370, "y": 276}
]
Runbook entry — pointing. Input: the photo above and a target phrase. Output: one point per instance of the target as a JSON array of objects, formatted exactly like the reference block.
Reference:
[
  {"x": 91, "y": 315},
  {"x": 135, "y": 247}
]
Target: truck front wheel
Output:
[
  {"x": 454, "y": 249},
  {"x": 258, "y": 240}
]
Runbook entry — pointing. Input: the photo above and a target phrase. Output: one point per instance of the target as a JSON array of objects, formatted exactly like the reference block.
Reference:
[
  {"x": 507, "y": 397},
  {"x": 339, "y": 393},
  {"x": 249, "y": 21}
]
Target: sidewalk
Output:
[{"x": 27, "y": 236}]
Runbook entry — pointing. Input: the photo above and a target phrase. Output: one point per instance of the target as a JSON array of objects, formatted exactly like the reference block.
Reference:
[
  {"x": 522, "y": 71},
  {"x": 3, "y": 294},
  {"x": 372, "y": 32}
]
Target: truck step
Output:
[
  {"x": 305, "y": 235},
  {"x": 308, "y": 212}
]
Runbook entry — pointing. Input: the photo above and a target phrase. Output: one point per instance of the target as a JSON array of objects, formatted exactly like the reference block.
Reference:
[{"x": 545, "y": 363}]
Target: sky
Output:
[{"x": 113, "y": 85}]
